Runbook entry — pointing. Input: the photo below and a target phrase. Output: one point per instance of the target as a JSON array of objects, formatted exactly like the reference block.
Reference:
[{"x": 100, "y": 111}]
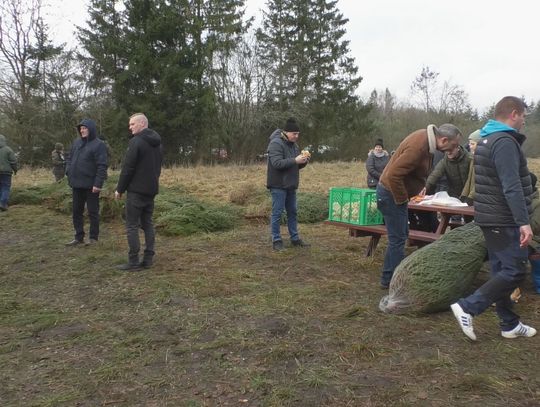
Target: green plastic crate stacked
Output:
[{"x": 354, "y": 205}]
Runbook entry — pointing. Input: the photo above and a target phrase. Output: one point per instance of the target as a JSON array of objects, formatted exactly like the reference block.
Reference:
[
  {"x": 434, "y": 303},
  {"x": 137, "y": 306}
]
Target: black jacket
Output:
[
  {"x": 283, "y": 171},
  {"x": 86, "y": 165},
  {"x": 503, "y": 189},
  {"x": 142, "y": 164}
]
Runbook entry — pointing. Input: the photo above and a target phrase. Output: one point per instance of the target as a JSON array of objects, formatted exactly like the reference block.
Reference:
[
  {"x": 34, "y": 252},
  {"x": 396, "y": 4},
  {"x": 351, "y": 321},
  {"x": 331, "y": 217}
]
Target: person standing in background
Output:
[
  {"x": 58, "y": 162},
  {"x": 467, "y": 194},
  {"x": 375, "y": 163},
  {"x": 8, "y": 167}
]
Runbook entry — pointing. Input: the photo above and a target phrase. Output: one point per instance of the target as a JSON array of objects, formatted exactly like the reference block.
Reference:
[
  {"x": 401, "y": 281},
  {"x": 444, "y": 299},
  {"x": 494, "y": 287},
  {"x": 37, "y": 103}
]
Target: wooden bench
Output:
[{"x": 416, "y": 237}]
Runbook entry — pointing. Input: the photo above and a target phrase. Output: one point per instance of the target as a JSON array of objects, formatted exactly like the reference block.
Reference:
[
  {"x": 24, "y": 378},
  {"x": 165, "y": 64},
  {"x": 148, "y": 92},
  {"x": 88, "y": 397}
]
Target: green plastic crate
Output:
[{"x": 354, "y": 205}]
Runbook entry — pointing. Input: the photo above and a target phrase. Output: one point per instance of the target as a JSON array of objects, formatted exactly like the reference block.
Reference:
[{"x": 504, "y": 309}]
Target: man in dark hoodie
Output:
[
  {"x": 283, "y": 177},
  {"x": 86, "y": 169},
  {"x": 140, "y": 178},
  {"x": 502, "y": 207}
]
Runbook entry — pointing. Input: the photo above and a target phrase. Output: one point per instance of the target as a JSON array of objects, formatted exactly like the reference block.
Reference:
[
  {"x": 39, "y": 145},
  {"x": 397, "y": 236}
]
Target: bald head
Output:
[{"x": 137, "y": 123}]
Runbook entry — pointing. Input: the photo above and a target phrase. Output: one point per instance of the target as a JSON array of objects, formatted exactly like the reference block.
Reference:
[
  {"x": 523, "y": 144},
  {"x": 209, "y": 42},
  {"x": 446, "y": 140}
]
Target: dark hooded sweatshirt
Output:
[
  {"x": 283, "y": 171},
  {"x": 142, "y": 164},
  {"x": 86, "y": 165}
]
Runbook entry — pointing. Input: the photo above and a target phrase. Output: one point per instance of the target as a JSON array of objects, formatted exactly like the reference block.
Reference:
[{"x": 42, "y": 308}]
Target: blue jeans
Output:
[
  {"x": 396, "y": 219},
  {"x": 283, "y": 199},
  {"x": 5, "y": 187},
  {"x": 508, "y": 264}
]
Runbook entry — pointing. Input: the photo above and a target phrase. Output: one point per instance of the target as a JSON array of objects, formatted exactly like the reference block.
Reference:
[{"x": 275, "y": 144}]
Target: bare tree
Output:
[
  {"x": 24, "y": 50},
  {"x": 19, "y": 24},
  {"x": 447, "y": 98},
  {"x": 424, "y": 87}
]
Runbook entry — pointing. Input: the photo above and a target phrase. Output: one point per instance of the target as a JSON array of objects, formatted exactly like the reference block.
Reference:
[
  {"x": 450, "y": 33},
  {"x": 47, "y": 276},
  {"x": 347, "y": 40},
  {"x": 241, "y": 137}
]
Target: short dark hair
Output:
[{"x": 507, "y": 105}]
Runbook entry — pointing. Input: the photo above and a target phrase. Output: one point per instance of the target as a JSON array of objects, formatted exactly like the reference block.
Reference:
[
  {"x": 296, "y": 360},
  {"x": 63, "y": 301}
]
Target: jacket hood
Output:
[
  {"x": 494, "y": 126},
  {"x": 275, "y": 134},
  {"x": 3, "y": 142},
  {"x": 150, "y": 136},
  {"x": 383, "y": 153},
  {"x": 278, "y": 133},
  {"x": 90, "y": 125}
]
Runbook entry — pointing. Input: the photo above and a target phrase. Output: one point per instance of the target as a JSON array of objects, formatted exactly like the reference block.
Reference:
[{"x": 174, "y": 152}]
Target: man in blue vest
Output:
[{"x": 502, "y": 205}]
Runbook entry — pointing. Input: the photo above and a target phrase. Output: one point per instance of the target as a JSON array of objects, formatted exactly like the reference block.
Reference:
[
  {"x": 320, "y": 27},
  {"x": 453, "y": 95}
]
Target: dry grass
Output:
[{"x": 218, "y": 182}]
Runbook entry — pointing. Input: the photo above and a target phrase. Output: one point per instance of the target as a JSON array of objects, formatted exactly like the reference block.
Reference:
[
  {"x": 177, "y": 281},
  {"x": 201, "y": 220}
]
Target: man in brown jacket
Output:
[{"x": 404, "y": 177}]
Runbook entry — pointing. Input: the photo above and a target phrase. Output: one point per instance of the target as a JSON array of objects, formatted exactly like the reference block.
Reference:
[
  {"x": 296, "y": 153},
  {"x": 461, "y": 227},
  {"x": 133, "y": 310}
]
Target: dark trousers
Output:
[
  {"x": 139, "y": 211},
  {"x": 508, "y": 263},
  {"x": 82, "y": 197}
]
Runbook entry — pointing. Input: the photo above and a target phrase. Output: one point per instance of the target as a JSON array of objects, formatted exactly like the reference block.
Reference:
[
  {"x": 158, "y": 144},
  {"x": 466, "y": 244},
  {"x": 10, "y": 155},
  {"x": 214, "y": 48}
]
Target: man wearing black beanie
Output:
[{"x": 283, "y": 177}]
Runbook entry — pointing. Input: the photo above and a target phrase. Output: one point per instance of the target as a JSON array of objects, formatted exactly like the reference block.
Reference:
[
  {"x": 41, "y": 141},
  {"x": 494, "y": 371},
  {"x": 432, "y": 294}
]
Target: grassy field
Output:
[{"x": 222, "y": 320}]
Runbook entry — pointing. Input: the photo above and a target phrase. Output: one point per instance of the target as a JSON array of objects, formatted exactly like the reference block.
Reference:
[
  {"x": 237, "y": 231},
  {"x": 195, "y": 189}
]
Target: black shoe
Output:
[
  {"x": 91, "y": 242},
  {"x": 277, "y": 245},
  {"x": 74, "y": 242},
  {"x": 3, "y": 208},
  {"x": 299, "y": 243},
  {"x": 145, "y": 264},
  {"x": 129, "y": 267},
  {"x": 385, "y": 286}
]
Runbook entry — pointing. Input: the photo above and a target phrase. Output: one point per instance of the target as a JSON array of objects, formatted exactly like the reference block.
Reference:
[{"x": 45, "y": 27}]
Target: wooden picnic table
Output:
[{"x": 416, "y": 237}]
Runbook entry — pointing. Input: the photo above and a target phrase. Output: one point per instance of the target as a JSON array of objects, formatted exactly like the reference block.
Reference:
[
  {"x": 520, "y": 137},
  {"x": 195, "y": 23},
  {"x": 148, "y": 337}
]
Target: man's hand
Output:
[
  {"x": 301, "y": 159},
  {"x": 96, "y": 190},
  {"x": 117, "y": 195},
  {"x": 525, "y": 235}
]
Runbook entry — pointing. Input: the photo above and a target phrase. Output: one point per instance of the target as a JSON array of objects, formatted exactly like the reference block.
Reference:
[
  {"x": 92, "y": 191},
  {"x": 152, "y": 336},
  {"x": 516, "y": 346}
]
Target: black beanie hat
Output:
[
  {"x": 379, "y": 142},
  {"x": 291, "y": 126}
]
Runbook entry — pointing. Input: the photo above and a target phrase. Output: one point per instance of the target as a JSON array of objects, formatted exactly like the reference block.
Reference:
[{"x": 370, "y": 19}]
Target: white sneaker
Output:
[
  {"x": 465, "y": 320},
  {"x": 520, "y": 330}
]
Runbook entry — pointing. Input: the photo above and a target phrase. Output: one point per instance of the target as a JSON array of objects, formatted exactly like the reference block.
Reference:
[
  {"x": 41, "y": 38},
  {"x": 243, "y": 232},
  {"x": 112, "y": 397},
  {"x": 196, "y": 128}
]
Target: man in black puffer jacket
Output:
[
  {"x": 502, "y": 205},
  {"x": 86, "y": 168},
  {"x": 140, "y": 178},
  {"x": 283, "y": 177}
]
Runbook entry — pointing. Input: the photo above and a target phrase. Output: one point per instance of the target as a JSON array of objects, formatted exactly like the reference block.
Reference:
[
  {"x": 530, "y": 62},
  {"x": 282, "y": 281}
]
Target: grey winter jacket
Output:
[
  {"x": 86, "y": 165},
  {"x": 375, "y": 166},
  {"x": 8, "y": 160},
  {"x": 283, "y": 171}
]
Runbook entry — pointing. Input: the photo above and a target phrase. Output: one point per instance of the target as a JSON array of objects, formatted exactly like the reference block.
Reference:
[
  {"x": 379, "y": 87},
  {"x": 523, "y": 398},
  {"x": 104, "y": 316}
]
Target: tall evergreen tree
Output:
[
  {"x": 313, "y": 75},
  {"x": 158, "y": 57}
]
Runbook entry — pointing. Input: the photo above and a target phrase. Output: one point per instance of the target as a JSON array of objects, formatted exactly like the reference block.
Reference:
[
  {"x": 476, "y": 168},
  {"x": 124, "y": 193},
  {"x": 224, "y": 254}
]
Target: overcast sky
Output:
[{"x": 484, "y": 46}]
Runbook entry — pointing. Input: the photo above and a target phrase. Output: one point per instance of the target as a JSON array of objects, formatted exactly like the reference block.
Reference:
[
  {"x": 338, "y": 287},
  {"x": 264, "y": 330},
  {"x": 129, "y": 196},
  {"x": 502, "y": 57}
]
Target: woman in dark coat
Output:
[{"x": 375, "y": 163}]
